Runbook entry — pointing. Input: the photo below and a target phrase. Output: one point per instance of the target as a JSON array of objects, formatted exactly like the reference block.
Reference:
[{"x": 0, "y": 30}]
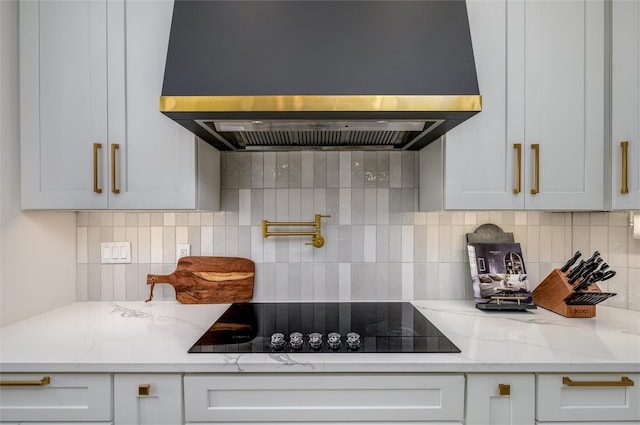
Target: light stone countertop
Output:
[{"x": 155, "y": 337}]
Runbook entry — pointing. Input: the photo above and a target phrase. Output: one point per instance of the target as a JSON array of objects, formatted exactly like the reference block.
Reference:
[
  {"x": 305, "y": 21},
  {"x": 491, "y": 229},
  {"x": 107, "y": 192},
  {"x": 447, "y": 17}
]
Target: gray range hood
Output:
[{"x": 285, "y": 75}]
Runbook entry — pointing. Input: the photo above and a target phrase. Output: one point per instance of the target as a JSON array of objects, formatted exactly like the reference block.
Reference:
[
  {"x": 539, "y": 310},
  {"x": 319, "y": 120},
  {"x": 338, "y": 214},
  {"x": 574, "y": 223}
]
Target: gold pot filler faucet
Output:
[{"x": 316, "y": 237}]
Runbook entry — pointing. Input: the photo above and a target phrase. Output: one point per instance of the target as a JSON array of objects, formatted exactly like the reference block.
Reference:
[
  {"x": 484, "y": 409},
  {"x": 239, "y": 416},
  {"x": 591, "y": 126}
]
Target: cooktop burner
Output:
[{"x": 344, "y": 327}]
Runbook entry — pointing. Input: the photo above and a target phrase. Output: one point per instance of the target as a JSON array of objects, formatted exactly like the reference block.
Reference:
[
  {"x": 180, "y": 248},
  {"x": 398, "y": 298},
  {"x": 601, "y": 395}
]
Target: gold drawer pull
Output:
[
  {"x": 624, "y": 187},
  {"x": 623, "y": 382},
  {"x": 144, "y": 389},
  {"x": 504, "y": 389},
  {"x": 96, "y": 147},
  {"x": 536, "y": 168},
  {"x": 114, "y": 187},
  {"x": 518, "y": 148},
  {"x": 46, "y": 380}
]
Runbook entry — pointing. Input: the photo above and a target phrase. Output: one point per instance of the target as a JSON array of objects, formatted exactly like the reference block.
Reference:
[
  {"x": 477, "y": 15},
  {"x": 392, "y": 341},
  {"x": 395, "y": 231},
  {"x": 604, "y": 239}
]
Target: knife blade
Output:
[{"x": 570, "y": 262}]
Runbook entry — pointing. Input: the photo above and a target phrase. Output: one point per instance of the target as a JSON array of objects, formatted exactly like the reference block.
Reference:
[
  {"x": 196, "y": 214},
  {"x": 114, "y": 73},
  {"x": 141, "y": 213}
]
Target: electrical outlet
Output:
[{"x": 183, "y": 250}]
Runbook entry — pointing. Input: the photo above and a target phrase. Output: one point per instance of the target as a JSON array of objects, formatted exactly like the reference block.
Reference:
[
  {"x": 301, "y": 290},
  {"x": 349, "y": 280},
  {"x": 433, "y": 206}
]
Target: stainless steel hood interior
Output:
[{"x": 262, "y": 75}]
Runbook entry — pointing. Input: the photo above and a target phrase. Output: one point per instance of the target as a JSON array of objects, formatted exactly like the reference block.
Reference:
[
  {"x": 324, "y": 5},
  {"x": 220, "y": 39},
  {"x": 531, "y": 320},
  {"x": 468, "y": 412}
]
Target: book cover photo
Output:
[{"x": 498, "y": 270}]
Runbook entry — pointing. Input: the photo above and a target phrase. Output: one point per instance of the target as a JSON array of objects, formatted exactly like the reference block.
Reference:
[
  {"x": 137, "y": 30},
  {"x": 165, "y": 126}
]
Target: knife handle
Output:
[
  {"x": 576, "y": 271},
  {"x": 536, "y": 168},
  {"x": 570, "y": 262},
  {"x": 608, "y": 275}
]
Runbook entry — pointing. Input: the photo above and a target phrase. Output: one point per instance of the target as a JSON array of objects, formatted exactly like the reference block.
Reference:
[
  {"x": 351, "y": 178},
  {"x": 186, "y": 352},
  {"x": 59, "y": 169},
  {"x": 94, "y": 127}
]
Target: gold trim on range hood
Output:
[{"x": 316, "y": 103}]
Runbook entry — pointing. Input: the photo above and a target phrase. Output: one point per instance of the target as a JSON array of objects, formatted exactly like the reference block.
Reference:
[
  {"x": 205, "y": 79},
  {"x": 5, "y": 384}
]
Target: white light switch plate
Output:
[{"x": 115, "y": 252}]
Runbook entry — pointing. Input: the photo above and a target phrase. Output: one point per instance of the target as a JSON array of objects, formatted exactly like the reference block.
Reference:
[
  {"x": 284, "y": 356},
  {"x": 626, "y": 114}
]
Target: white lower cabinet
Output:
[
  {"x": 147, "y": 399},
  {"x": 588, "y": 397},
  {"x": 500, "y": 399},
  {"x": 56, "y": 397},
  {"x": 325, "y": 397}
]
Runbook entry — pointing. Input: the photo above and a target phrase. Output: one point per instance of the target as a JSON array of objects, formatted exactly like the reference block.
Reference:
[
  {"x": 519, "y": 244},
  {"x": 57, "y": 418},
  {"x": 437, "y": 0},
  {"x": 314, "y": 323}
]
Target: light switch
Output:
[{"x": 115, "y": 252}]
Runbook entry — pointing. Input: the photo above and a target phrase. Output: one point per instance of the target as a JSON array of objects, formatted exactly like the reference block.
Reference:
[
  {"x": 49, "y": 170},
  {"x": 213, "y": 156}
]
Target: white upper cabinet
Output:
[
  {"x": 539, "y": 141},
  {"x": 92, "y": 136},
  {"x": 625, "y": 104}
]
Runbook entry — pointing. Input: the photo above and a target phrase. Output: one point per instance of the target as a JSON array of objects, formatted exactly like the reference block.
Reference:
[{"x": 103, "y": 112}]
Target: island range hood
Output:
[{"x": 287, "y": 75}]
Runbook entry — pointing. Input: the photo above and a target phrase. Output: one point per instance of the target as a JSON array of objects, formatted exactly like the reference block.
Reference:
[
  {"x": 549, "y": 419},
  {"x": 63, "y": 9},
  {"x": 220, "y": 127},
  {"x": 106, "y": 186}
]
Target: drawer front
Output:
[
  {"x": 588, "y": 397},
  {"x": 500, "y": 399},
  {"x": 67, "y": 397},
  {"x": 147, "y": 399},
  {"x": 323, "y": 397}
]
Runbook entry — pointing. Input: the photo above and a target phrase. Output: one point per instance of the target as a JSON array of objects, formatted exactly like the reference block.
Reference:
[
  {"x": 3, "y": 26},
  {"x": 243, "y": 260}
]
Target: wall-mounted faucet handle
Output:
[{"x": 317, "y": 240}]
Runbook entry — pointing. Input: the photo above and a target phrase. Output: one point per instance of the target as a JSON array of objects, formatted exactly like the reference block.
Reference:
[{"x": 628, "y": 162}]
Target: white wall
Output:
[{"x": 37, "y": 249}]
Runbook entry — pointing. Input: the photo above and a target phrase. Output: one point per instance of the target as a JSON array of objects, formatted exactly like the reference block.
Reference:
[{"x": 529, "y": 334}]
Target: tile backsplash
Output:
[{"x": 378, "y": 247}]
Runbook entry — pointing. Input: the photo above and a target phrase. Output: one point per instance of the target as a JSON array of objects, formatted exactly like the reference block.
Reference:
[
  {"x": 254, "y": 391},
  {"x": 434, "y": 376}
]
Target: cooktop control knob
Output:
[
  {"x": 333, "y": 340},
  {"x": 295, "y": 340},
  {"x": 315, "y": 340},
  {"x": 353, "y": 341},
  {"x": 277, "y": 341}
]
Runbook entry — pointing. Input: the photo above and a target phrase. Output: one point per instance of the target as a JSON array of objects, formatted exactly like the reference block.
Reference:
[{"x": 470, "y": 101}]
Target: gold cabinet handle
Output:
[
  {"x": 504, "y": 389},
  {"x": 114, "y": 187},
  {"x": 623, "y": 382},
  {"x": 624, "y": 188},
  {"x": 144, "y": 389},
  {"x": 96, "y": 147},
  {"x": 518, "y": 148},
  {"x": 46, "y": 380},
  {"x": 536, "y": 168}
]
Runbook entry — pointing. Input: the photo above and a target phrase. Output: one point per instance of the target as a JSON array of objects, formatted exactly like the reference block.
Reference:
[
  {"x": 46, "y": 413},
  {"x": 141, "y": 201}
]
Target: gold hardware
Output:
[
  {"x": 144, "y": 389},
  {"x": 114, "y": 188},
  {"x": 623, "y": 382},
  {"x": 624, "y": 189},
  {"x": 518, "y": 148},
  {"x": 316, "y": 237},
  {"x": 317, "y": 240},
  {"x": 310, "y": 103},
  {"x": 509, "y": 298},
  {"x": 46, "y": 380},
  {"x": 504, "y": 389},
  {"x": 96, "y": 146},
  {"x": 536, "y": 161}
]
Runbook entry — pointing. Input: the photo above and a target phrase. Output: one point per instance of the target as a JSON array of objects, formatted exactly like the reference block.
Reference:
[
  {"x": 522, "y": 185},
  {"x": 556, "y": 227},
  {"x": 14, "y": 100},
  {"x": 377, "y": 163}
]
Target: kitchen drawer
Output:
[
  {"x": 68, "y": 397},
  {"x": 147, "y": 399},
  {"x": 588, "y": 397},
  {"x": 324, "y": 397},
  {"x": 500, "y": 398}
]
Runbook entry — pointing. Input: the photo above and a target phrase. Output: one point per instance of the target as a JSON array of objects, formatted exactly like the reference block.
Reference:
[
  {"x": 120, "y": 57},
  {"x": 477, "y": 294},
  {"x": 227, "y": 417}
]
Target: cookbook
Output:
[{"x": 498, "y": 270}]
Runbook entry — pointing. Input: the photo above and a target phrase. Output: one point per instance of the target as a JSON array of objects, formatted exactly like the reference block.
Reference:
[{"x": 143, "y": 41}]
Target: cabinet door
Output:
[
  {"x": 481, "y": 163},
  {"x": 155, "y": 163},
  {"x": 63, "y": 103},
  {"x": 540, "y": 67},
  {"x": 564, "y": 92},
  {"x": 160, "y": 403},
  {"x": 625, "y": 103},
  {"x": 500, "y": 399}
]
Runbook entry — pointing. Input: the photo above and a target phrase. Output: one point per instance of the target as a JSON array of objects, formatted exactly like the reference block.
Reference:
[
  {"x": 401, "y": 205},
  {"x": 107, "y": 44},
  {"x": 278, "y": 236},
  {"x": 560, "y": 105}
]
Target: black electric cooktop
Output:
[{"x": 343, "y": 327}]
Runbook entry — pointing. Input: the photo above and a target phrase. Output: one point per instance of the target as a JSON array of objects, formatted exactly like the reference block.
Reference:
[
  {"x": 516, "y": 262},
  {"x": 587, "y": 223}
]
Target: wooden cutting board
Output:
[{"x": 209, "y": 280}]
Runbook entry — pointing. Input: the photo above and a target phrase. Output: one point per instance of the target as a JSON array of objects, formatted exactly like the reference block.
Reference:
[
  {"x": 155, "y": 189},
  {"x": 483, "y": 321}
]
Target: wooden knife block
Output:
[{"x": 555, "y": 289}]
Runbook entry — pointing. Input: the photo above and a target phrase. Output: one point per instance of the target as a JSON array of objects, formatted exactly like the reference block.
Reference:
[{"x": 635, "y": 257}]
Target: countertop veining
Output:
[{"x": 155, "y": 337}]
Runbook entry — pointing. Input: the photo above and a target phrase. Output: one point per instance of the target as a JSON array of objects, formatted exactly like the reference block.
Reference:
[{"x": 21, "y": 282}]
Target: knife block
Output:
[{"x": 555, "y": 290}]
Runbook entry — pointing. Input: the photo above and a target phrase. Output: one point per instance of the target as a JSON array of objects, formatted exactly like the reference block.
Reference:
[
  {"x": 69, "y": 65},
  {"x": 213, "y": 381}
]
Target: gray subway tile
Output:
[{"x": 319, "y": 169}]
